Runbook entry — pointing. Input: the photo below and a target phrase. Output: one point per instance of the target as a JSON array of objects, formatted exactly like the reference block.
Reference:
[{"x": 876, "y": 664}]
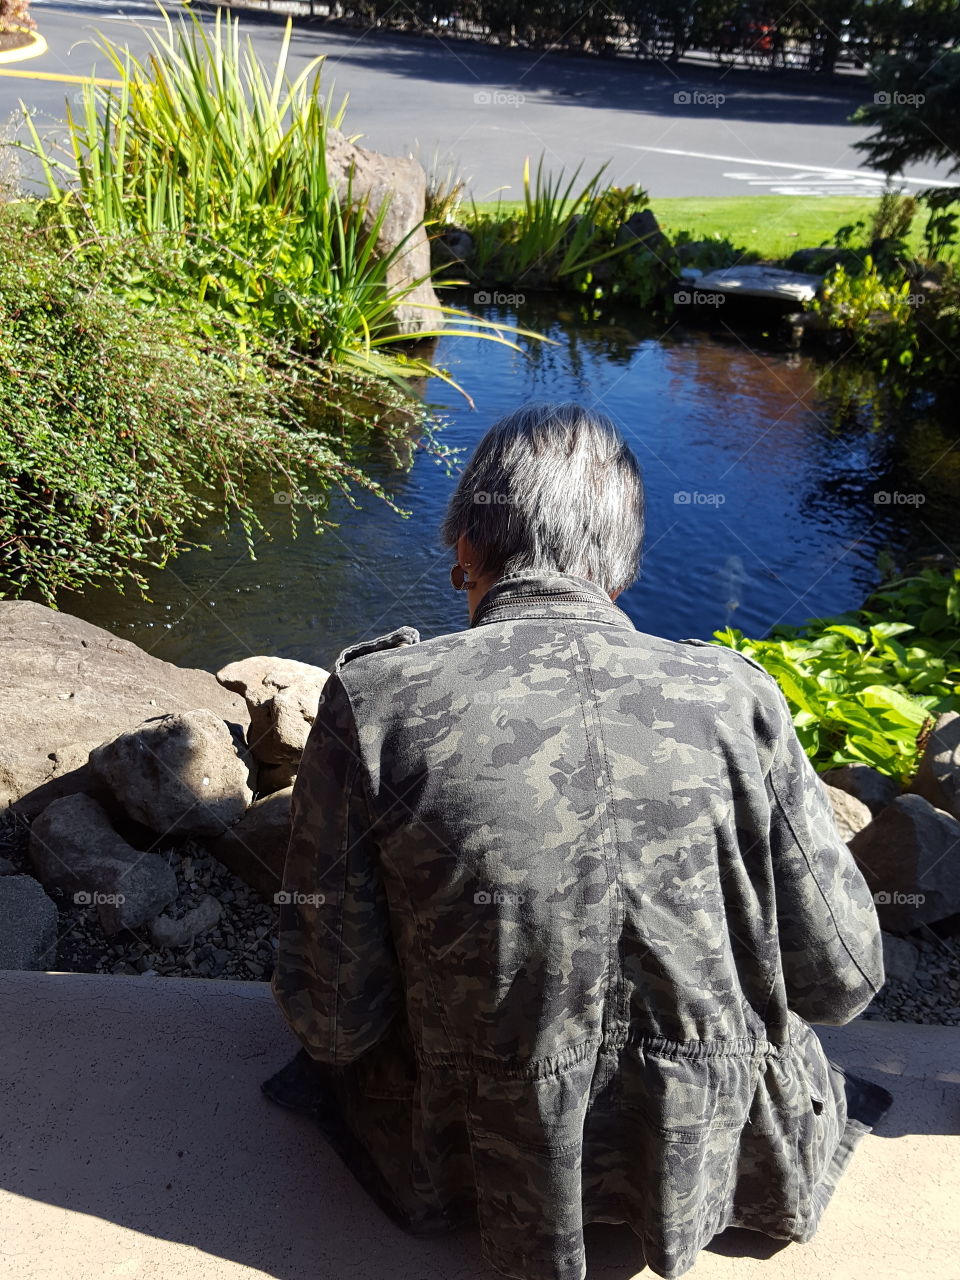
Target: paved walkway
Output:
[{"x": 134, "y": 1144}]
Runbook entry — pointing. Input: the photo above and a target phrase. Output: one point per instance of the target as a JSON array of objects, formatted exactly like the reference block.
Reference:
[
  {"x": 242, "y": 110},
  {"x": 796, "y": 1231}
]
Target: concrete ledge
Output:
[{"x": 135, "y": 1145}]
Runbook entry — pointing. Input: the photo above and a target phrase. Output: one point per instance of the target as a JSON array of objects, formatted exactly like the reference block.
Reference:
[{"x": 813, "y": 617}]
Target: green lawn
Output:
[{"x": 772, "y": 226}]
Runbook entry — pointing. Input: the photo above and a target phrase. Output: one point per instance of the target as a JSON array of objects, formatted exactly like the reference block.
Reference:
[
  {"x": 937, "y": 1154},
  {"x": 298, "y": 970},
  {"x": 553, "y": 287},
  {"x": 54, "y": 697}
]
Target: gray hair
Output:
[{"x": 552, "y": 488}]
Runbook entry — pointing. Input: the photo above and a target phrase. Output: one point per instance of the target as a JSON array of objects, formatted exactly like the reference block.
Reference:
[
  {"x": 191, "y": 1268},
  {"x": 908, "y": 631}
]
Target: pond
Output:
[{"x": 767, "y": 502}]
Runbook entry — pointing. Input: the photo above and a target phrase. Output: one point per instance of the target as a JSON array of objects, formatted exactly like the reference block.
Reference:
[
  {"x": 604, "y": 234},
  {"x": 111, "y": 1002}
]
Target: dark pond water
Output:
[{"x": 761, "y": 494}]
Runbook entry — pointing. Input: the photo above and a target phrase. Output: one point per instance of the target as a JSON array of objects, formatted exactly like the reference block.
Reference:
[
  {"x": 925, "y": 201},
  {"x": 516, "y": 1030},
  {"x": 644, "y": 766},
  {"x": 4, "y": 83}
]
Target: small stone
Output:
[
  {"x": 865, "y": 783},
  {"x": 165, "y": 931},
  {"x": 850, "y": 814},
  {"x": 28, "y": 925},
  {"x": 900, "y": 957}
]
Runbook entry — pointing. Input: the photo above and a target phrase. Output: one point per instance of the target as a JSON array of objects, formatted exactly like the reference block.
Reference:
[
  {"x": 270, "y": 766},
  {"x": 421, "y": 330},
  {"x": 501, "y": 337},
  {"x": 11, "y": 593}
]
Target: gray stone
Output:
[
  {"x": 399, "y": 184},
  {"x": 900, "y": 957},
  {"x": 910, "y": 858},
  {"x": 68, "y": 685},
  {"x": 642, "y": 231},
  {"x": 28, "y": 925},
  {"x": 74, "y": 847},
  {"x": 178, "y": 773},
  {"x": 280, "y": 726},
  {"x": 274, "y": 777},
  {"x": 875, "y": 789},
  {"x": 938, "y": 777},
  {"x": 850, "y": 814},
  {"x": 165, "y": 931},
  {"x": 761, "y": 282},
  {"x": 257, "y": 679},
  {"x": 256, "y": 848}
]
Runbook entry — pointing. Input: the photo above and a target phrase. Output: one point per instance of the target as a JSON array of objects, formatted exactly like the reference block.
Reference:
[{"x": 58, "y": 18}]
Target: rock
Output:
[
  {"x": 900, "y": 957},
  {"x": 28, "y": 925},
  {"x": 166, "y": 931},
  {"x": 865, "y": 783},
  {"x": 178, "y": 773},
  {"x": 453, "y": 244},
  {"x": 282, "y": 697},
  {"x": 401, "y": 183},
  {"x": 938, "y": 777},
  {"x": 820, "y": 260},
  {"x": 642, "y": 230},
  {"x": 772, "y": 283},
  {"x": 850, "y": 814},
  {"x": 274, "y": 777},
  {"x": 910, "y": 858},
  {"x": 256, "y": 848},
  {"x": 74, "y": 847},
  {"x": 68, "y": 685},
  {"x": 279, "y": 727},
  {"x": 258, "y": 679}
]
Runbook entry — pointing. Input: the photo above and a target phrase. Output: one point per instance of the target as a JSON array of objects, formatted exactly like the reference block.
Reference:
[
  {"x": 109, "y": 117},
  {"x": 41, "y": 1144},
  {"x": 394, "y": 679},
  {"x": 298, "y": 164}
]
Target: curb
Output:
[{"x": 37, "y": 47}]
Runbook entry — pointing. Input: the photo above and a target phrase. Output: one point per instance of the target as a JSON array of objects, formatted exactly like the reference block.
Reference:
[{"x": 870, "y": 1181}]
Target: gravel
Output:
[{"x": 242, "y": 944}]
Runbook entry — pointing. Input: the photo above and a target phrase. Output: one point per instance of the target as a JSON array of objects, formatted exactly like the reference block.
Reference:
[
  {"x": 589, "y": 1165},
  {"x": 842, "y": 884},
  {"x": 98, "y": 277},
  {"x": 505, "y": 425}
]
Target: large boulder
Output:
[
  {"x": 850, "y": 814},
  {"x": 68, "y": 685},
  {"x": 401, "y": 184},
  {"x": 938, "y": 778},
  {"x": 865, "y": 783},
  {"x": 178, "y": 773},
  {"x": 74, "y": 847},
  {"x": 257, "y": 679},
  {"x": 256, "y": 848},
  {"x": 910, "y": 858},
  {"x": 28, "y": 925},
  {"x": 282, "y": 697}
]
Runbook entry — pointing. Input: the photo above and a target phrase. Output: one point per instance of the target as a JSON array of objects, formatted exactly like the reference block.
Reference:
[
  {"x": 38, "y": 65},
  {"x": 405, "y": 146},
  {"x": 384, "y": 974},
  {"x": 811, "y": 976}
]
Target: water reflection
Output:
[{"x": 762, "y": 483}]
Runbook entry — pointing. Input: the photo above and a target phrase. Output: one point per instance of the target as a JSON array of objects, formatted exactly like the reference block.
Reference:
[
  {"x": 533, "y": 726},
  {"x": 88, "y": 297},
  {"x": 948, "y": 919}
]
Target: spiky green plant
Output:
[{"x": 206, "y": 158}]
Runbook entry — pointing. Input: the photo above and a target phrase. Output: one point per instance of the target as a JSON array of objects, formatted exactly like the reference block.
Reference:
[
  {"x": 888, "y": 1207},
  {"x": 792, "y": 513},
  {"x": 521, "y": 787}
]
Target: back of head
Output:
[{"x": 552, "y": 488}]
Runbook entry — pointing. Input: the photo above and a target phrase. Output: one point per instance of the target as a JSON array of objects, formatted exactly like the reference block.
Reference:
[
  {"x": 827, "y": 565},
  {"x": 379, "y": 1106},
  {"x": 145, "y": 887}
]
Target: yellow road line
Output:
[
  {"x": 32, "y": 50},
  {"x": 64, "y": 79}
]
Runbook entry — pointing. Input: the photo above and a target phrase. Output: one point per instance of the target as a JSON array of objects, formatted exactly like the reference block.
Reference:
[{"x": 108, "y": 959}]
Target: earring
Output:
[{"x": 458, "y": 578}]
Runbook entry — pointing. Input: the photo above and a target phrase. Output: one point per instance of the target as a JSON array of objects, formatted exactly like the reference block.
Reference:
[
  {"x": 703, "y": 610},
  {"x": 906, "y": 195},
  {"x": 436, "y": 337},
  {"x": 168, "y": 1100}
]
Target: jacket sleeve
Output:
[
  {"x": 830, "y": 941},
  {"x": 336, "y": 978}
]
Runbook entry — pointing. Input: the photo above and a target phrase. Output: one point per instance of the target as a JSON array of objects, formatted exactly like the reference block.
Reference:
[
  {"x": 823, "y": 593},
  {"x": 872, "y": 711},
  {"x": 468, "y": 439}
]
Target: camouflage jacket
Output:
[{"x": 560, "y": 901}]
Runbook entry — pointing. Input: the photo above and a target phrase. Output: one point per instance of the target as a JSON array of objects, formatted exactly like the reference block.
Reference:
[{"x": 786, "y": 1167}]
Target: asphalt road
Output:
[{"x": 696, "y": 132}]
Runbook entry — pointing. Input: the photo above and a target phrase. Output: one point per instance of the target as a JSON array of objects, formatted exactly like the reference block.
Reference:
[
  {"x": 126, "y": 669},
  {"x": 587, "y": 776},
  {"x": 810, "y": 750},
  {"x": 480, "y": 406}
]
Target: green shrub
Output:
[
  {"x": 866, "y": 687},
  {"x": 119, "y": 431}
]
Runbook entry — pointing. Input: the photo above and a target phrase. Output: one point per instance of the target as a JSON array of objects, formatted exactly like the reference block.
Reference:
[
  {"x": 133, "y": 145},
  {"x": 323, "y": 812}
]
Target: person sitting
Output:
[{"x": 562, "y": 899}]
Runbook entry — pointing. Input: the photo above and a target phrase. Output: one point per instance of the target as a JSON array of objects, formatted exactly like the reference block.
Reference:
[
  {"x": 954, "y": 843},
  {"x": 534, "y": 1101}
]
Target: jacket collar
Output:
[{"x": 548, "y": 596}]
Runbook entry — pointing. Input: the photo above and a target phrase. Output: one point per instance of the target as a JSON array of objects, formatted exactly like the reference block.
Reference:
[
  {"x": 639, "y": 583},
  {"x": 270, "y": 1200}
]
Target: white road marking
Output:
[{"x": 797, "y": 169}]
